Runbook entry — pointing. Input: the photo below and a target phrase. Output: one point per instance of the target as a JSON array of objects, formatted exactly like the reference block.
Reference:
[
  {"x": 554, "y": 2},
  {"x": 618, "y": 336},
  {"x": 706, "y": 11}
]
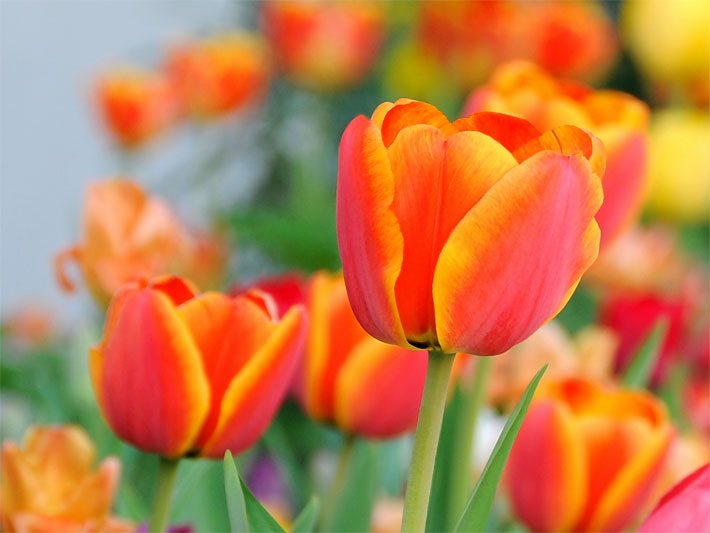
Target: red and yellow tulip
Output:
[
  {"x": 618, "y": 119},
  {"x": 463, "y": 236},
  {"x": 587, "y": 458},
  {"x": 136, "y": 105},
  {"x": 220, "y": 74},
  {"x": 361, "y": 385},
  {"x": 327, "y": 45},
  {"x": 179, "y": 373},
  {"x": 129, "y": 235},
  {"x": 50, "y": 484}
]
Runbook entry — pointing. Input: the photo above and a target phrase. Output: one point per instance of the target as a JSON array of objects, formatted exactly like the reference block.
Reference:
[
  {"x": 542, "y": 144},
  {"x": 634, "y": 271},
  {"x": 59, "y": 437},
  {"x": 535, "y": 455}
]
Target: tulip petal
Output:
[
  {"x": 410, "y": 114},
  {"x": 369, "y": 237},
  {"x": 152, "y": 384},
  {"x": 546, "y": 473},
  {"x": 379, "y": 390},
  {"x": 511, "y": 132},
  {"x": 513, "y": 258},
  {"x": 254, "y": 395},
  {"x": 437, "y": 181}
]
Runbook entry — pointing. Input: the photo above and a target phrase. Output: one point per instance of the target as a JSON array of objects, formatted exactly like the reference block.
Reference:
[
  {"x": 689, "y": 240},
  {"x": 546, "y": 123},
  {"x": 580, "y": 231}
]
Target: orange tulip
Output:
[
  {"x": 463, "y": 236},
  {"x": 219, "y": 75},
  {"x": 619, "y": 120},
  {"x": 587, "y": 458},
  {"x": 136, "y": 106},
  {"x": 184, "y": 374},
  {"x": 49, "y": 484},
  {"x": 358, "y": 383},
  {"x": 128, "y": 235},
  {"x": 327, "y": 45}
]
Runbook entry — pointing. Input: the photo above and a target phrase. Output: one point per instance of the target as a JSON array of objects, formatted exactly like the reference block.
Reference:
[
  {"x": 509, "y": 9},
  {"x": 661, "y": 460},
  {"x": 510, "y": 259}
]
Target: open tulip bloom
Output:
[{"x": 461, "y": 236}]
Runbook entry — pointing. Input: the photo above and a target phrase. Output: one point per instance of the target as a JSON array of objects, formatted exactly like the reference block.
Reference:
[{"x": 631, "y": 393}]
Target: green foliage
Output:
[
  {"x": 306, "y": 521},
  {"x": 638, "y": 371}
]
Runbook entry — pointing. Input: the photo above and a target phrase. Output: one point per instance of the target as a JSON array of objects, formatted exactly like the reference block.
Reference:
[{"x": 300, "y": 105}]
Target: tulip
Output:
[
  {"x": 587, "y": 458},
  {"x": 326, "y": 45},
  {"x": 135, "y": 105},
  {"x": 363, "y": 386},
  {"x": 184, "y": 374},
  {"x": 129, "y": 235},
  {"x": 221, "y": 74},
  {"x": 686, "y": 507},
  {"x": 464, "y": 236},
  {"x": 286, "y": 290},
  {"x": 618, "y": 119},
  {"x": 680, "y": 166},
  {"x": 49, "y": 484}
]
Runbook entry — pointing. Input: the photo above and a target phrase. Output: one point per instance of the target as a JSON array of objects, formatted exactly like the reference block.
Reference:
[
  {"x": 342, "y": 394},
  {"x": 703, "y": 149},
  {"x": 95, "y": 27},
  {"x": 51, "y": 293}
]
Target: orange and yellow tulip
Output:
[
  {"x": 135, "y": 105},
  {"x": 463, "y": 236},
  {"x": 618, "y": 119},
  {"x": 179, "y": 373},
  {"x": 49, "y": 484},
  {"x": 221, "y": 74},
  {"x": 328, "y": 45},
  {"x": 362, "y": 385},
  {"x": 587, "y": 458},
  {"x": 129, "y": 235}
]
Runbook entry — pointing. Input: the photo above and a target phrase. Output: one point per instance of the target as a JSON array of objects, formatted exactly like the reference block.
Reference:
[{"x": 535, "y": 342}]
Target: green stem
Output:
[
  {"x": 167, "y": 472},
  {"x": 336, "y": 486},
  {"x": 472, "y": 395},
  {"x": 426, "y": 440}
]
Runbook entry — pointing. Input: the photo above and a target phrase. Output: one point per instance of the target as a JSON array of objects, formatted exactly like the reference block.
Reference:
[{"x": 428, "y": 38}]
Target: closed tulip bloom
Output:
[
  {"x": 587, "y": 458},
  {"x": 220, "y": 74},
  {"x": 135, "y": 105},
  {"x": 685, "y": 508},
  {"x": 618, "y": 119},
  {"x": 464, "y": 236},
  {"x": 361, "y": 385},
  {"x": 50, "y": 484},
  {"x": 326, "y": 45},
  {"x": 179, "y": 373}
]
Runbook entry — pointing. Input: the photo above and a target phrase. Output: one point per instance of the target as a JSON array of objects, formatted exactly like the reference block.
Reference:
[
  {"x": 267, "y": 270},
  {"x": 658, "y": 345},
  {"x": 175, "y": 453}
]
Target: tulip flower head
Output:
[
  {"x": 618, "y": 119},
  {"x": 136, "y": 106},
  {"x": 349, "y": 379},
  {"x": 179, "y": 373},
  {"x": 49, "y": 484},
  {"x": 221, "y": 74},
  {"x": 587, "y": 458},
  {"x": 464, "y": 236}
]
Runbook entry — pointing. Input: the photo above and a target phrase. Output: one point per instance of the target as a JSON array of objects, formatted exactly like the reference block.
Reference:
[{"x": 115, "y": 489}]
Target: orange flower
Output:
[
  {"x": 348, "y": 378},
  {"x": 618, "y": 119},
  {"x": 129, "y": 235},
  {"x": 49, "y": 484},
  {"x": 135, "y": 105},
  {"x": 184, "y": 374},
  {"x": 463, "y": 236},
  {"x": 327, "y": 45},
  {"x": 587, "y": 458},
  {"x": 219, "y": 75}
]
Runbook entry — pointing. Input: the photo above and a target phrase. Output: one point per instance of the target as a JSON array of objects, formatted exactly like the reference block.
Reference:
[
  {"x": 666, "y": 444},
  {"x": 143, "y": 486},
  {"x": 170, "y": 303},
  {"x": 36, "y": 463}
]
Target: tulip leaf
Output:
[
  {"x": 260, "y": 520},
  {"x": 479, "y": 504},
  {"x": 306, "y": 521},
  {"x": 639, "y": 369},
  {"x": 236, "y": 505}
]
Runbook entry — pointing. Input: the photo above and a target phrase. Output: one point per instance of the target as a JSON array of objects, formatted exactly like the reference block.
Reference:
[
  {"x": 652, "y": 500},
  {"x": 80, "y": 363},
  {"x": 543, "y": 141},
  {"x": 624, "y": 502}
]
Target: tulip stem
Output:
[
  {"x": 338, "y": 482},
  {"x": 472, "y": 395},
  {"x": 426, "y": 440},
  {"x": 167, "y": 473}
]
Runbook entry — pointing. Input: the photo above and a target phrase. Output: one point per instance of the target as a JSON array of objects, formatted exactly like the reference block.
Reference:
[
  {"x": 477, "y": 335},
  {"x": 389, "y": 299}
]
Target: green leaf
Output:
[
  {"x": 641, "y": 365},
  {"x": 306, "y": 521},
  {"x": 260, "y": 521},
  {"x": 282, "y": 450},
  {"x": 475, "y": 515},
  {"x": 236, "y": 505}
]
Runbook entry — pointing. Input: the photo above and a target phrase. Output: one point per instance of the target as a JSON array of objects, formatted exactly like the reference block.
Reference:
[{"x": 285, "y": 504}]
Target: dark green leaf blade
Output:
[
  {"x": 479, "y": 504},
  {"x": 260, "y": 520},
  {"x": 639, "y": 369},
  {"x": 236, "y": 504},
  {"x": 306, "y": 521}
]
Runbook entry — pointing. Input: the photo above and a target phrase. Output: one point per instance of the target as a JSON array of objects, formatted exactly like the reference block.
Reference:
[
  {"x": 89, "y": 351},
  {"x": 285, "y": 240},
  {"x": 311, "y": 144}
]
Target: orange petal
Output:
[
  {"x": 369, "y": 237},
  {"x": 254, "y": 395},
  {"x": 511, "y": 132},
  {"x": 379, "y": 390},
  {"x": 511, "y": 261},
  {"x": 61, "y": 261},
  {"x": 155, "y": 394},
  {"x": 410, "y": 114},
  {"x": 92, "y": 499},
  {"x": 546, "y": 473}
]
